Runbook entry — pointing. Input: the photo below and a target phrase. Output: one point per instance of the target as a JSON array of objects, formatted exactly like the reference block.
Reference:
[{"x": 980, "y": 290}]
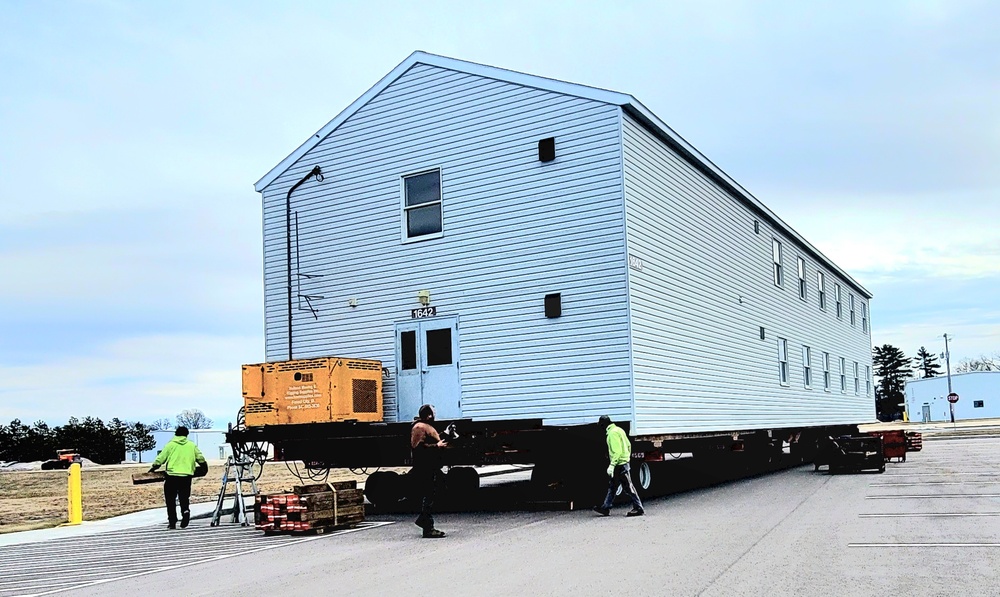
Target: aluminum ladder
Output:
[{"x": 236, "y": 472}]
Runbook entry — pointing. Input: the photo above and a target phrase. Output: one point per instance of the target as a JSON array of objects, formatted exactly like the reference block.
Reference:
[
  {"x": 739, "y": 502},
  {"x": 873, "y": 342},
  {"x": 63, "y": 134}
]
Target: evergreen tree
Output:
[
  {"x": 892, "y": 368},
  {"x": 139, "y": 438},
  {"x": 927, "y": 363}
]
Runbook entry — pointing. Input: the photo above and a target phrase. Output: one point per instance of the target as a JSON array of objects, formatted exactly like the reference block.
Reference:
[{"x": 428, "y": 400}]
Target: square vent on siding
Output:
[{"x": 547, "y": 149}]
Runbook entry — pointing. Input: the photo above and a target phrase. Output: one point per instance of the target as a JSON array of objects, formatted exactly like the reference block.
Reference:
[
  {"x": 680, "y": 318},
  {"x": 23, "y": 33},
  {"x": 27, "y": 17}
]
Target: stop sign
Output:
[{"x": 953, "y": 397}]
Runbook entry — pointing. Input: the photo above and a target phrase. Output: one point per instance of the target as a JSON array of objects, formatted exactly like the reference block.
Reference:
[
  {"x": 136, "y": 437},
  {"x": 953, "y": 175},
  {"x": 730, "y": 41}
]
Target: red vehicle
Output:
[{"x": 63, "y": 459}]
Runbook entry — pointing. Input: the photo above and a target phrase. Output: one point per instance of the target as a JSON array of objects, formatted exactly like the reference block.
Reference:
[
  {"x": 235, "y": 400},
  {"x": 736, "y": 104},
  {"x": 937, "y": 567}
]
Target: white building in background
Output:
[
  {"x": 211, "y": 442},
  {"x": 978, "y": 397}
]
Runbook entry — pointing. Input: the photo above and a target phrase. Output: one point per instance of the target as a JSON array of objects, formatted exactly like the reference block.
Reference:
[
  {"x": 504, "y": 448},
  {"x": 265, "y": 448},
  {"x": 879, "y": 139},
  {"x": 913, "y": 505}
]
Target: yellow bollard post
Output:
[{"x": 75, "y": 495}]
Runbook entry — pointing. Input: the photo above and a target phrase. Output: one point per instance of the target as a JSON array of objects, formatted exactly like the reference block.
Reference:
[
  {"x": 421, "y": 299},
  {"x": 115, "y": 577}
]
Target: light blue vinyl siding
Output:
[
  {"x": 514, "y": 230},
  {"x": 696, "y": 308}
]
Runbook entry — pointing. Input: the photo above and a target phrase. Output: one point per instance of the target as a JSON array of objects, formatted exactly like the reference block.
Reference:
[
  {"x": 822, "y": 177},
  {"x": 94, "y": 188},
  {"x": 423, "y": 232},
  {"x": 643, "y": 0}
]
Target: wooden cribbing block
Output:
[
  {"x": 325, "y": 487},
  {"x": 338, "y": 522},
  {"x": 346, "y": 497},
  {"x": 154, "y": 477},
  {"x": 329, "y": 514}
]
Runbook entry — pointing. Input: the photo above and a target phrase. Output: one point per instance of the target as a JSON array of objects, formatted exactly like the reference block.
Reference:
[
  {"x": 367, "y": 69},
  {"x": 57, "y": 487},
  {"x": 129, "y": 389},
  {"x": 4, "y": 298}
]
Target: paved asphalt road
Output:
[{"x": 929, "y": 526}]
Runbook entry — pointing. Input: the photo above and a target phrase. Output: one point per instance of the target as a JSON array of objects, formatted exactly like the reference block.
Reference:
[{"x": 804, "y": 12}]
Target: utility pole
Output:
[{"x": 947, "y": 365}]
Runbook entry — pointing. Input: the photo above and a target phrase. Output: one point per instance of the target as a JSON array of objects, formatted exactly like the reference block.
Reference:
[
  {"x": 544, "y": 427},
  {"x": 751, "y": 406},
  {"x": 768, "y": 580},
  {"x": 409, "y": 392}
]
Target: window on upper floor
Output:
[
  {"x": 422, "y": 205},
  {"x": 776, "y": 258},
  {"x": 850, "y": 304},
  {"x": 783, "y": 361},
  {"x": 857, "y": 386},
  {"x": 868, "y": 380},
  {"x": 864, "y": 317},
  {"x": 843, "y": 376},
  {"x": 826, "y": 371},
  {"x": 840, "y": 305},
  {"x": 806, "y": 367},
  {"x": 802, "y": 278},
  {"x": 821, "y": 285}
]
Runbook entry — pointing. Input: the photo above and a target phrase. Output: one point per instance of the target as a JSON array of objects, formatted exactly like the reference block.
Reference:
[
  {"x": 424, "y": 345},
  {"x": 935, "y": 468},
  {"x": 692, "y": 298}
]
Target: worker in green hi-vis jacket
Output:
[
  {"x": 181, "y": 457},
  {"x": 619, "y": 452}
]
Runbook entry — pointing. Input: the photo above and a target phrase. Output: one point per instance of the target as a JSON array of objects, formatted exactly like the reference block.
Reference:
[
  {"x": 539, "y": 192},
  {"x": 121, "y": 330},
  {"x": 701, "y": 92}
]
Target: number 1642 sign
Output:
[{"x": 423, "y": 312}]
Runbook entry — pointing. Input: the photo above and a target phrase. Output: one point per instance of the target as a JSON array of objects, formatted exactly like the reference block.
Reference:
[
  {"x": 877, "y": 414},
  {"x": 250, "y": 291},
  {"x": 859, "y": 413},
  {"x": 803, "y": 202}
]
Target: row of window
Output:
[
  {"x": 821, "y": 286},
  {"x": 807, "y": 371}
]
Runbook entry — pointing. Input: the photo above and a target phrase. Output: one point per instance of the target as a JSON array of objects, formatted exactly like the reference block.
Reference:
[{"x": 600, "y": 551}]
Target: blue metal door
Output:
[{"x": 427, "y": 367}]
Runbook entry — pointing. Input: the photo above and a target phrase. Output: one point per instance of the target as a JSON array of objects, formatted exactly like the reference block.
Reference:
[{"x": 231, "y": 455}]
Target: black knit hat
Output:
[{"x": 604, "y": 421}]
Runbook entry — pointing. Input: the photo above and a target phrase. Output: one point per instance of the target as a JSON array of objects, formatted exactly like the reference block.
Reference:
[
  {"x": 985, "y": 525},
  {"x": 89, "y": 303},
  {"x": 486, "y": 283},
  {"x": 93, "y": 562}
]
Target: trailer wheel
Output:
[
  {"x": 383, "y": 488},
  {"x": 462, "y": 481},
  {"x": 642, "y": 476}
]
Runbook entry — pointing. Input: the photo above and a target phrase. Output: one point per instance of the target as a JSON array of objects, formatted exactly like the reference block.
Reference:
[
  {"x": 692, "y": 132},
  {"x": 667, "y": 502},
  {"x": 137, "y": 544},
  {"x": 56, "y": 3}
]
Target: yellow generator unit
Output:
[{"x": 312, "y": 391}]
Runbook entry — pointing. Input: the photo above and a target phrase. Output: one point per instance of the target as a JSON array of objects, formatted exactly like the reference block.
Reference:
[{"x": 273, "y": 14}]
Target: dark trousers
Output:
[
  {"x": 622, "y": 478},
  {"x": 425, "y": 478},
  {"x": 174, "y": 488}
]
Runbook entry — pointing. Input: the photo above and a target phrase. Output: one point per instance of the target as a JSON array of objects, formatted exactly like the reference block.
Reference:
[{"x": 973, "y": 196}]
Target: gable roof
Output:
[{"x": 628, "y": 103}]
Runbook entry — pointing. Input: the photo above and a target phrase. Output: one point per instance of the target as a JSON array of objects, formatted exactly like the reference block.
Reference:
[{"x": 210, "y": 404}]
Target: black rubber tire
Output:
[
  {"x": 462, "y": 481},
  {"x": 383, "y": 488}
]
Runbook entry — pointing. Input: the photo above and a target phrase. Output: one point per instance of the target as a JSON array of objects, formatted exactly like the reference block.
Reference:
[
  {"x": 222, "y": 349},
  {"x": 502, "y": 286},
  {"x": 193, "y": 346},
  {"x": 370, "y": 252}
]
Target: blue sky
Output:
[{"x": 131, "y": 135}]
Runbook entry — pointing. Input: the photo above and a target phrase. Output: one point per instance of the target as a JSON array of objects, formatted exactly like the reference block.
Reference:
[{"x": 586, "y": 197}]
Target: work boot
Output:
[
  {"x": 433, "y": 534},
  {"x": 635, "y": 512},
  {"x": 185, "y": 518},
  {"x": 602, "y": 510},
  {"x": 171, "y": 525}
]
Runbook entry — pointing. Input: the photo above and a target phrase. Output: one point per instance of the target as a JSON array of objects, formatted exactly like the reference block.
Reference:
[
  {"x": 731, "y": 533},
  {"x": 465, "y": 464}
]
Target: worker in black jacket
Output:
[{"x": 426, "y": 445}]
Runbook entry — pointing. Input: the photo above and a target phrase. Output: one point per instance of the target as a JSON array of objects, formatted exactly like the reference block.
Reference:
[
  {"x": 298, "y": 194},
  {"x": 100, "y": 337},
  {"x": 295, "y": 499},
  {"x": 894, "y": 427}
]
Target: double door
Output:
[{"x": 427, "y": 367}]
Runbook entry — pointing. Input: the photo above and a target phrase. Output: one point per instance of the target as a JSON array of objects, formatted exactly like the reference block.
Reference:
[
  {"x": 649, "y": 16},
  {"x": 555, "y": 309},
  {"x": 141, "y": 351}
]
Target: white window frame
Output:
[
  {"x": 826, "y": 372},
  {"x": 839, "y": 302},
  {"x": 868, "y": 380},
  {"x": 806, "y": 367},
  {"x": 850, "y": 303},
  {"x": 404, "y": 231},
  {"x": 778, "y": 274},
  {"x": 857, "y": 384},
  {"x": 783, "y": 361},
  {"x": 864, "y": 317},
  {"x": 803, "y": 291},
  {"x": 821, "y": 283},
  {"x": 843, "y": 375}
]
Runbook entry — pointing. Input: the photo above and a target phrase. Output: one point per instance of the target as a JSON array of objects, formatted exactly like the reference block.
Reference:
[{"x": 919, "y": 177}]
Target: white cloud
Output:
[
  {"x": 134, "y": 378},
  {"x": 934, "y": 235},
  {"x": 967, "y": 338}
]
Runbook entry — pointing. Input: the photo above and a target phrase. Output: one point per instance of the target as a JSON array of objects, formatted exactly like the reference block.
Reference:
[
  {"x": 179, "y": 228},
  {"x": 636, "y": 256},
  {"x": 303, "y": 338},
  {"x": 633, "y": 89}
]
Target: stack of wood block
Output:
[{"x": 316, "y": 508}]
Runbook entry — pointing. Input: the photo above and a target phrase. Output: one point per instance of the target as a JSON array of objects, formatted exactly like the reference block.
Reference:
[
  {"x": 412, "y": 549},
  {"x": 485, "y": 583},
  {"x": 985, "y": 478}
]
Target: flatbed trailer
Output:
[{"x": 566, "y": 460}]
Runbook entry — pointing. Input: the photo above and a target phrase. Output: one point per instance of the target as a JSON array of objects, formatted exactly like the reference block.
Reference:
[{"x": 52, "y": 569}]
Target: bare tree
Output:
[
  {"x": 163, "y": 424},
  {"x": 192, "y": 418},
  {"x": 983, "y": 363}
]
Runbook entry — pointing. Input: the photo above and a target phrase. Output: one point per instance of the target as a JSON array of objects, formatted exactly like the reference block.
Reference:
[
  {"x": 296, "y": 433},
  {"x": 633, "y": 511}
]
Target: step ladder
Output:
[{"x": 237, "y": 472}]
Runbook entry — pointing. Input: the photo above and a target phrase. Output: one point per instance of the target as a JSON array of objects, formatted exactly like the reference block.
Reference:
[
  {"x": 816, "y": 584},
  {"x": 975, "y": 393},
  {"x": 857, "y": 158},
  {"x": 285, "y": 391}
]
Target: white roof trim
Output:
[
  {"x": 627, "y": 102},
  {"x": 418, "y": 57}
]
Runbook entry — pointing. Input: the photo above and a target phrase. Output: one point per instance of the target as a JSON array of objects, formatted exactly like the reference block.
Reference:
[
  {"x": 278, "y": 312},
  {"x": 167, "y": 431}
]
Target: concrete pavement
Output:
[{"x": 143, "y": 518}]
